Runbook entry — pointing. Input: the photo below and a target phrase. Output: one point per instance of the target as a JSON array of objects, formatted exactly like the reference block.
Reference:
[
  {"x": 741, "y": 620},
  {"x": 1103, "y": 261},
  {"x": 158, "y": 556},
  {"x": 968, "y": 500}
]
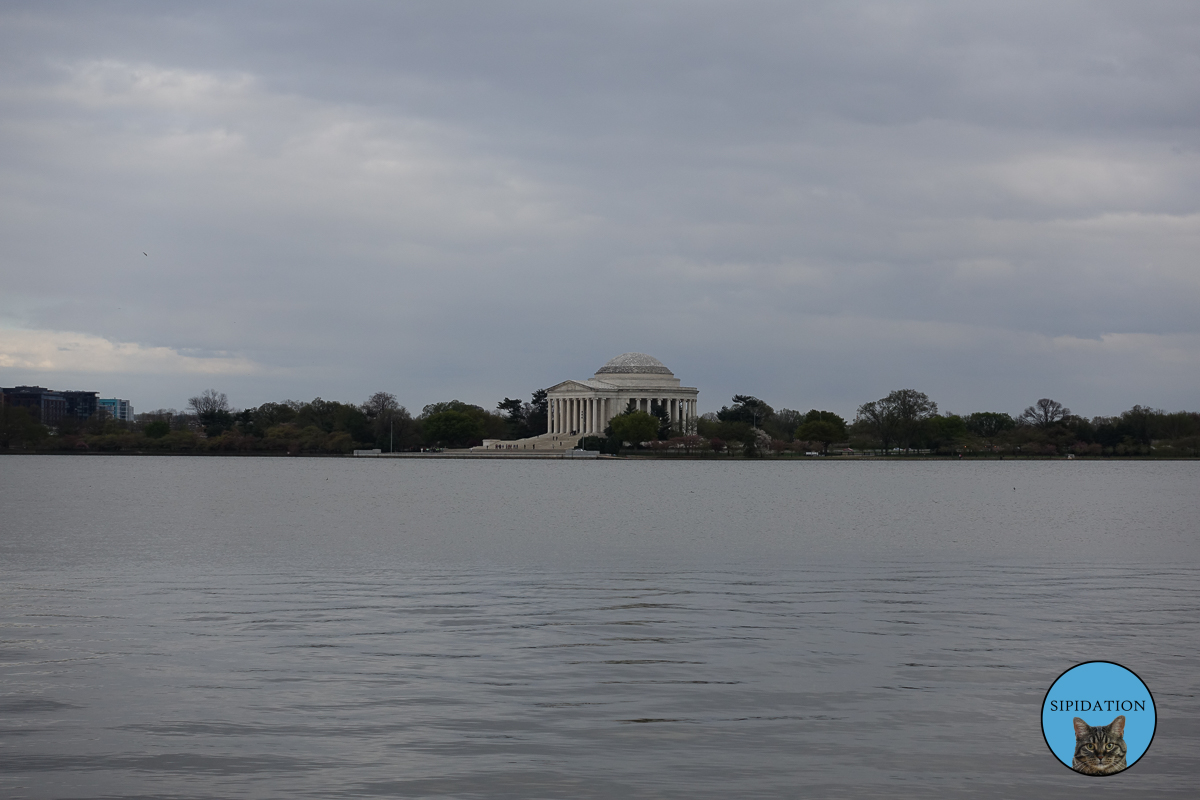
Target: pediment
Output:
[{"x": 580, "y": 386}]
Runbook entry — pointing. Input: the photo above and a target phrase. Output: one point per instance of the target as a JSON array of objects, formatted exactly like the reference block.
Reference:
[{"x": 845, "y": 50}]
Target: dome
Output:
[{"x": 634, "y": 363}]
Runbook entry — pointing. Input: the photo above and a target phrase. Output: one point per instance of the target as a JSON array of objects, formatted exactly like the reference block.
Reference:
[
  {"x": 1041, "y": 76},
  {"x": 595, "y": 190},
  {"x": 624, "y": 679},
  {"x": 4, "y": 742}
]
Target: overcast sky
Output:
[{"x": 815, "y": 203}]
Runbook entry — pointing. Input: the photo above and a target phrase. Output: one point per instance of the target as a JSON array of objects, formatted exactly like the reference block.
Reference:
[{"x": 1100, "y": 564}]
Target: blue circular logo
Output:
[{"x": 1098, "y": 718}]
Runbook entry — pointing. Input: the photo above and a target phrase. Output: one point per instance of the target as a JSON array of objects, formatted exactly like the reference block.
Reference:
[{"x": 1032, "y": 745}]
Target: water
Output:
[{"x": 276, "y": 628}]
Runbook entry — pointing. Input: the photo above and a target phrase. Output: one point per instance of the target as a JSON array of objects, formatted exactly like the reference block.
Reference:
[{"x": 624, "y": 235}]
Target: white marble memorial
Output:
[{"x": 585, "y": 407}]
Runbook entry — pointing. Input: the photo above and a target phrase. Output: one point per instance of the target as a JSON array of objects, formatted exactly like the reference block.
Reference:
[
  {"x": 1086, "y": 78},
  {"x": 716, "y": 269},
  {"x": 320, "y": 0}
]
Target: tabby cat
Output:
[{"x": 1099, "y": 750}]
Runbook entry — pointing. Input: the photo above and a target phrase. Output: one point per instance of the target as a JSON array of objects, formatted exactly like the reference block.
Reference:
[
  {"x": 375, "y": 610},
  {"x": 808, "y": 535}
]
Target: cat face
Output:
[{"x": 1099, "y": 750}]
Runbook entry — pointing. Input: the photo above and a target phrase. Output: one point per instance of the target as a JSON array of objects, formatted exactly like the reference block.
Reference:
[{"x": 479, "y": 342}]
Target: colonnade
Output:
[{"x": 589, "y": 416}]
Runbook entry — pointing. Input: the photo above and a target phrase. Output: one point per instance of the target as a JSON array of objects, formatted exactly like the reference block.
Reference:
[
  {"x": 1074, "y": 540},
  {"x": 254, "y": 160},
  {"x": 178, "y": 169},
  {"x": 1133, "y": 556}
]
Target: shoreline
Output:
[{"x": 510, "y": 456}]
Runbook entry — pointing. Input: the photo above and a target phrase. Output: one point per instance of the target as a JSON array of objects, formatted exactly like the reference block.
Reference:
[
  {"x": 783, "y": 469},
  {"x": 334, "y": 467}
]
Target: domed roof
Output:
[{"x": 636, "y": 363}]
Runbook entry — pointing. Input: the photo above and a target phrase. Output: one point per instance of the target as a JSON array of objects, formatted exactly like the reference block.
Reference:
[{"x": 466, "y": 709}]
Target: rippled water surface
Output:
[{"x": 274, "y": 628}]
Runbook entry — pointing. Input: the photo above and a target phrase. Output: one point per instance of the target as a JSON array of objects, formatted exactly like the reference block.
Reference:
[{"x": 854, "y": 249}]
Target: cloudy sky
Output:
[{"x": 814, "y": 203}]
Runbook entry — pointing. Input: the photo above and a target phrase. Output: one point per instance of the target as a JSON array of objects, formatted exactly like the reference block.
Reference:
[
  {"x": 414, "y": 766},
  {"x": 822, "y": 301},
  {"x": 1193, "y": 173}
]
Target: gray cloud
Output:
[{"x": 815, "y": 204}]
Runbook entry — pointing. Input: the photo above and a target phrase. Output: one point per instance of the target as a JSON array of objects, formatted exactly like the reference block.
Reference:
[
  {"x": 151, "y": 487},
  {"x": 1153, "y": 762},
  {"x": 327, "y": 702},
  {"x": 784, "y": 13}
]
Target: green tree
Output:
[
  {"x": 257, "y": 421},
  {"x": 330, "y": 416},
  {"x": 710, "y": 427},
  {"x": 783, "y": 423},
  {"x": 18, "y": 428},
  {"x": 157, "y": 429},
  {"x": 452, "y": 428},
  {"x": 822, "y": 431},
  {"x": 944, "y": 432},
  {"x": 876, "y": 420},
  {"x": 896, "y": 418},
  {"x": 988, "y": 425},
  {"x": 1179, "y": 425},
  {"x": 537, "y": 414},
  {"x": 746, "y": 408},
  {"x": 492, "y": 426},
  {"x": 827, "y": 416},
  {"x": 659, "y": 410},
  {"x": 514, "y": 413},
  {"x": 403, "y": 432},
  {"x": 634, "y": 427},
  {"x": 1138, "y": 423}
]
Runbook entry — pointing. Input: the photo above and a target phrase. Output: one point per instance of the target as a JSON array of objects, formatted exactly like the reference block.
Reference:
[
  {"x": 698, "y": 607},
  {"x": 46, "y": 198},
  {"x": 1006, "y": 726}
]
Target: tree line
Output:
[
  {"x": 211, "y": 424},
  {"x": 904, "y": 421},
  {"x": 908, "y": 421}
]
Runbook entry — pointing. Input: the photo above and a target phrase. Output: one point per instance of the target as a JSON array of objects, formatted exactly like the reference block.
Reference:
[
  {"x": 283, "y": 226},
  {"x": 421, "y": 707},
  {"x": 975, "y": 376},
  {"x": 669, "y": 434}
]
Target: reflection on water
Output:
[{"x": 177, "y": 640}]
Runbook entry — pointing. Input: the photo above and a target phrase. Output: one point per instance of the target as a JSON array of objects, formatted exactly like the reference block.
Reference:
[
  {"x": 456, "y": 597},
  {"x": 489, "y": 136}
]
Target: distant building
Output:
[
  {"x": 45, "y": 405},
  {"x": 585, "y": 407},
  {"x": 117, "y": 408},
  {"x": 81, "y": 405}
]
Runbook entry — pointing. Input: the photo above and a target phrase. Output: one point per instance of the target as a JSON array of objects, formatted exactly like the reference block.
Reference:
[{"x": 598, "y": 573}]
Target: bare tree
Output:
[
  {"x": 209, "y": 402},
  {"x": 1044, "y": 413},
  {"x": 380, "y": 405},
  {"x": 391, "y": 423}
]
